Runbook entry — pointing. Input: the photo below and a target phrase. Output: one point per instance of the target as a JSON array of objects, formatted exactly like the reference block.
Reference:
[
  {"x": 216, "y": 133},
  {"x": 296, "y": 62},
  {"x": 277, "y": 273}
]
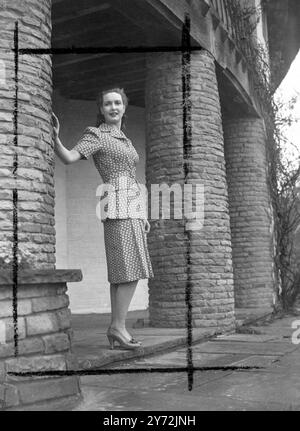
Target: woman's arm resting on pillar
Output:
[{"x": 65, "y": 155}]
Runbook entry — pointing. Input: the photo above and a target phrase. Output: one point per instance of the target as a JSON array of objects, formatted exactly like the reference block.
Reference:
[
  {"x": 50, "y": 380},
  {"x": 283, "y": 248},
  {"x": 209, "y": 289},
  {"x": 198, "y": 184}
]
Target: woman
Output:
[{"x": 124, "y": 230}]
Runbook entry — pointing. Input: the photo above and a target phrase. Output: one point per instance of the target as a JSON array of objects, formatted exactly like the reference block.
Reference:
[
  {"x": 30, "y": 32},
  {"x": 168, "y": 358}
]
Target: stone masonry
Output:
[
  {"x": 202, "y": 256},
  {"x": 43, "y": 317},
  {"x": 250, "y": 212},
  {"x": 35, "y": 181},
  {"x": 44, "y": 339}
]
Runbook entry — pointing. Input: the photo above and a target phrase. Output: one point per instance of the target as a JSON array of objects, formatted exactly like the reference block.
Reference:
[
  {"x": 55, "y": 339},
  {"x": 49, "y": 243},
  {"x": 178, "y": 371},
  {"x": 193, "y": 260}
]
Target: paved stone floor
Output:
[{"x": 273, "y": 385}]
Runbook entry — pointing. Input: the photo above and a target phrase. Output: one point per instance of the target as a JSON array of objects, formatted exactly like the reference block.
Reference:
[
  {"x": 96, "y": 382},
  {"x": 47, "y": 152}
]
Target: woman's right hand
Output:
[{"x": 55, "y": 123}]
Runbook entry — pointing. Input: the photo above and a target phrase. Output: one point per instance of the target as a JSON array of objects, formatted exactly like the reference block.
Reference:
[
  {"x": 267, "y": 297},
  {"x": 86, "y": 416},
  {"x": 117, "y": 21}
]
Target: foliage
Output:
[{"x": 282, "y": 176}]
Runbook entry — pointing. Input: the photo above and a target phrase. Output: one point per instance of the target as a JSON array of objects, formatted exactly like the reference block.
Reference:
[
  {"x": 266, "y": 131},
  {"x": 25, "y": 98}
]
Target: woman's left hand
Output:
[{"x": 146, "y": 226}]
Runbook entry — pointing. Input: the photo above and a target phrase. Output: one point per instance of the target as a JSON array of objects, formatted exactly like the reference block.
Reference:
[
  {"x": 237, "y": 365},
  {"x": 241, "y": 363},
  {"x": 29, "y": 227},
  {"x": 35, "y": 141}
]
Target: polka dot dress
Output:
[
  {"x": 126, "y": 250},
  {"x": 125, "y": 238}
]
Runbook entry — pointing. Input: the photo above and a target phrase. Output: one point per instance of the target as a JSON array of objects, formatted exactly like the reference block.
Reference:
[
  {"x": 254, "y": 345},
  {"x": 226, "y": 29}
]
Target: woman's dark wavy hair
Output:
[{"x": 100, "y": 97}]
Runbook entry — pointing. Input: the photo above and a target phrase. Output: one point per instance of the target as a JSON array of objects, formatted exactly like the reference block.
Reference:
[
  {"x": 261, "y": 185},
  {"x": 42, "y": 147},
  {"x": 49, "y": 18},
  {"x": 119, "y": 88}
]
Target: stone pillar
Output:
[
  {"x": 250, "y": 212},
  {"x": 43, "y": 327},
  {"x": 35, "y": 180},
  {"x": 44, "y": 340},
  {"x": 200, "y": 257}
]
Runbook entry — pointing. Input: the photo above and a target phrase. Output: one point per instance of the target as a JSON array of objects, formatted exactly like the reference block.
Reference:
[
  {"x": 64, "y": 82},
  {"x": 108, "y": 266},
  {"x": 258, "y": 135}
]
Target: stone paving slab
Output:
[
  {"x": 177, "y": 359},
  {"x": 118, "y": 401},
  {"x": 103, "y": 356},
  {"x": 94, "y": 351},
  {"x": 277, "y": 324},
  {"x": 92, "y": 348},
  {"x": 262, "y": 362},
  {"x": 204, "y": 360},
  {"x": 170, "y": 393},
  {"x": 248, "y": 337},
  {"x": 269, "y": 348},
  {"x": 275, "y": 386},
  {"x": 292, "y": 360}
]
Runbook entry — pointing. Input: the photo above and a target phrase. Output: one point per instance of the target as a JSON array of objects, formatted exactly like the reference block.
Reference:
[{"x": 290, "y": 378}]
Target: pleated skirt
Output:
[{"x": 126, "y": 248}]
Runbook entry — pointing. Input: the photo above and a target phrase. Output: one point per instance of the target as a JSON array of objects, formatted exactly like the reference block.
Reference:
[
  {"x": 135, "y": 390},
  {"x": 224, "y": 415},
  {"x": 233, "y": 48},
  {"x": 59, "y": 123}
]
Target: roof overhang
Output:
[{"x": 283, "y": 18}]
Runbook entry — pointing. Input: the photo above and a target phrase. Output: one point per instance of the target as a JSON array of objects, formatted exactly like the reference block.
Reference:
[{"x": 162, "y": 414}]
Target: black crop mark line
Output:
[
  {"x": 187, "y": 135},
  {"x": 15, "y": 196},
  {"x": 149, "y": 370},
  {"x": 104, "y": 50}
]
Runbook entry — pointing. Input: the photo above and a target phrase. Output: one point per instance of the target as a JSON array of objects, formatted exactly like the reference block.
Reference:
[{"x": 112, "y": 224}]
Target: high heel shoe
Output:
[
  {"x": 132, "y": 340},
  {"x": 114, "y": 335}
]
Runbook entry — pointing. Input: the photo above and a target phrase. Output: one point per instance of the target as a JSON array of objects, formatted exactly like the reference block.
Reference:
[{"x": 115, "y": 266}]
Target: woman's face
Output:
[{"x": 113, "y": 108}]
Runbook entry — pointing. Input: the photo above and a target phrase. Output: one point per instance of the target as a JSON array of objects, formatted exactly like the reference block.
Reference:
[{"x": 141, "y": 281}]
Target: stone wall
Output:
[
  {"x": 35, "y": 153},
  {"x": 44, "y": 342},
  {"x": 250, "y": 212},
  {"x": 201, "y": 257}
]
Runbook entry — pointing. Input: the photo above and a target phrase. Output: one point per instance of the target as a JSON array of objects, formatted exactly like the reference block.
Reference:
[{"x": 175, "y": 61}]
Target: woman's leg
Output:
[
  {"x": 113, "y": 292},
  {"x": 123, "y": 296}
]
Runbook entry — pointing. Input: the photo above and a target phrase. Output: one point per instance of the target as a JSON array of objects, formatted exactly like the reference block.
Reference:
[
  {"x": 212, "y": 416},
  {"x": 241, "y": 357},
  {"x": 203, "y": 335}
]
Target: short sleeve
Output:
[{"x": 89, "y": 143}]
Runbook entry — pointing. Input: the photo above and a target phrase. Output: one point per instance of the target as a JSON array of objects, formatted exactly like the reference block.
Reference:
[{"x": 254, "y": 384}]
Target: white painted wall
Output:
[{"x": 79, "y": 239}]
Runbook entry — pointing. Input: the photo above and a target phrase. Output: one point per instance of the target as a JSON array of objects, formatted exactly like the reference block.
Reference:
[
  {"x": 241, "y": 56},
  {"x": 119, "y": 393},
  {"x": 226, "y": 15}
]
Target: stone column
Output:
[
  {"x": 45, "y": 341},
  {"x": 37, "y": 336},
  {"x": 200, "y": 257},
  {"x": 35, "y": 181},
  {"x": 250, "y": 212}
]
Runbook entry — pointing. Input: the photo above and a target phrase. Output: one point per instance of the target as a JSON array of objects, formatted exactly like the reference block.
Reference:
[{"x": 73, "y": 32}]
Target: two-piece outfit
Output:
[{"x": 123, "y": 215}]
